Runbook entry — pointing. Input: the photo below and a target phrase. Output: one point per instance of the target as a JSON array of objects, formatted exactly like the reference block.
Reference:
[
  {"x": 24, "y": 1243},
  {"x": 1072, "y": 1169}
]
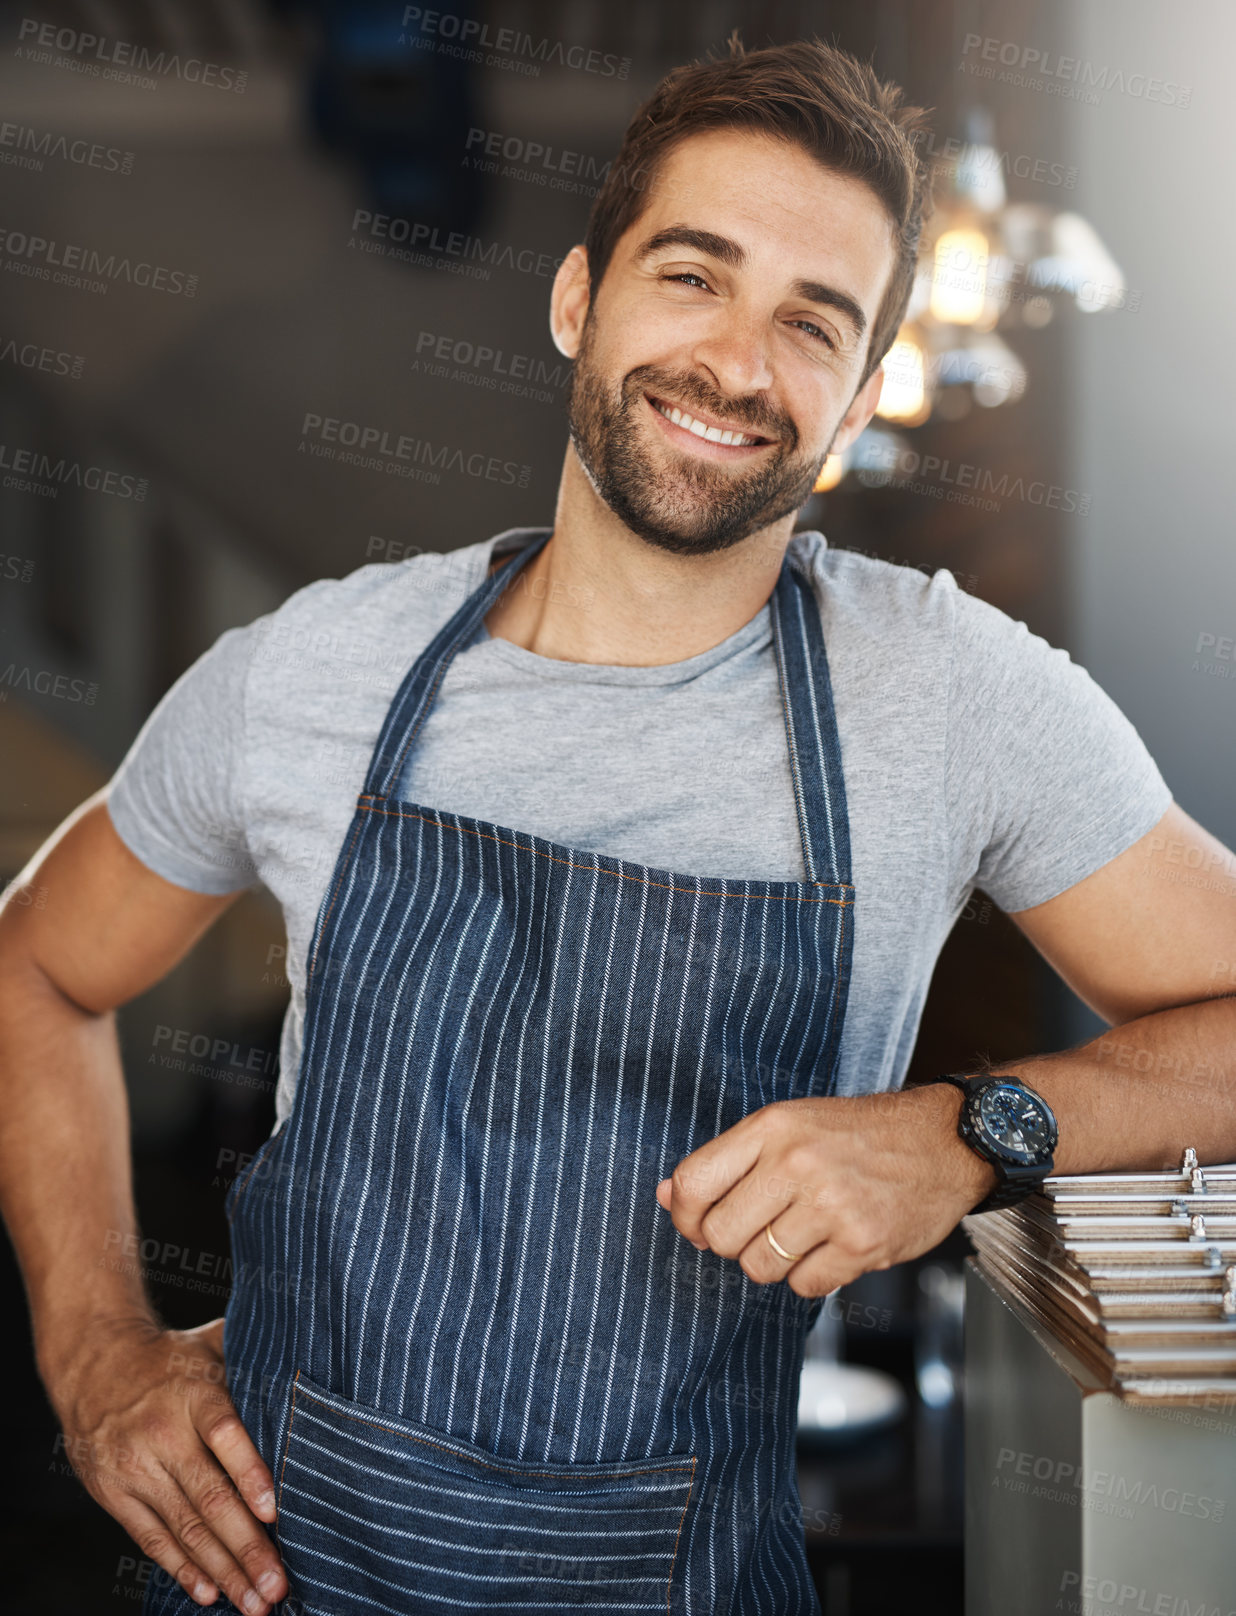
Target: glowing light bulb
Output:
[
  {"x": 904, "y": 394},
  {"x": 831, "y": 473},
  {"x": 959, "y": 277}
]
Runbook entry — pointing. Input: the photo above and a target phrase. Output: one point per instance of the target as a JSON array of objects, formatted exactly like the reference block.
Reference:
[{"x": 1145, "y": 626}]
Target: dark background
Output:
[{"x": 203, "y": 397}]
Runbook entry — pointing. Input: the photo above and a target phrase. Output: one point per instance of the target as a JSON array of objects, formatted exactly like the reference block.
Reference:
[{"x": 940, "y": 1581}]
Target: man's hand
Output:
[
  {"x": 154, "y": 1437},
  {"x": 846, "y": 1185}
]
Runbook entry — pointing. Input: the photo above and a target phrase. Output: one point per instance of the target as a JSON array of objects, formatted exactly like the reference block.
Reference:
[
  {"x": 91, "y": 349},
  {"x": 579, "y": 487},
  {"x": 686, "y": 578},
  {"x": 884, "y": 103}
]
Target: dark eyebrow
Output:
[{"x": 734, "y": 255}]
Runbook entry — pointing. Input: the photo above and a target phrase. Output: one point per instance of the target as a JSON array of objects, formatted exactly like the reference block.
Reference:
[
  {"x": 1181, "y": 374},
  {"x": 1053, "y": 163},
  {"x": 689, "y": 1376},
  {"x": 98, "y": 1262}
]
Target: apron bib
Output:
[{"x": 484, "y": 1368}]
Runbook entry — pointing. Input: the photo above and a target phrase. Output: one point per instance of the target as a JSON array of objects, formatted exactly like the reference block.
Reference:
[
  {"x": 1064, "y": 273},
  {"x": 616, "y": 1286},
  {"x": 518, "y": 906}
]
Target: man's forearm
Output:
[
  {"x": 1139, "y": 1093},
  {"x": 65, "y": 1165}
]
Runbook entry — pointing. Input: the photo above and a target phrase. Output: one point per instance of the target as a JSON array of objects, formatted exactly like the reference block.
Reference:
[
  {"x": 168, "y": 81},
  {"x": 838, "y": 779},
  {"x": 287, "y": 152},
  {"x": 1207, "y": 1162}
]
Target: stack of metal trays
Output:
[{"x": 1134, "y": 1272}]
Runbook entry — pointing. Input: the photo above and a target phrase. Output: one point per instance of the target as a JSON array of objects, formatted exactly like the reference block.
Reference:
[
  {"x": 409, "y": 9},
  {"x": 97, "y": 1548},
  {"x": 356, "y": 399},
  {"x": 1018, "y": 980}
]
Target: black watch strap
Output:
[
  {"x": 959, "y": 1080},
  {"x": 1015, "y": 1182}
]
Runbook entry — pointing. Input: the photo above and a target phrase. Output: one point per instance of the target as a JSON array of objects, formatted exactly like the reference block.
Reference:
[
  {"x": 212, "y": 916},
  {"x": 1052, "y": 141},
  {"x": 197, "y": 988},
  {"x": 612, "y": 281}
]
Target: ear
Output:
[
  {"x": 568, "y": 302},
  {"x": 862, "y": 408}
]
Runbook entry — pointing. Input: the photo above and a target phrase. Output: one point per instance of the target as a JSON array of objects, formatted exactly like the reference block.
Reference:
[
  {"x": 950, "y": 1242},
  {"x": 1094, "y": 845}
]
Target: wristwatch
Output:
[{"x": 1010, "y": 1125}]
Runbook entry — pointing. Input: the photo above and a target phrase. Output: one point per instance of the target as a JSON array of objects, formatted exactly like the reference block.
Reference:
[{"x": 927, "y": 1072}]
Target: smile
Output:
[{"x": 724, "y": 437}]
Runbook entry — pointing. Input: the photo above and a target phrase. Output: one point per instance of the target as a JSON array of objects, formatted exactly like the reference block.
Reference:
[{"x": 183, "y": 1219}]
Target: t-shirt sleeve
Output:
[
  {"x": 177, "y": 798},
  {"x": 1048, "y": 780}
]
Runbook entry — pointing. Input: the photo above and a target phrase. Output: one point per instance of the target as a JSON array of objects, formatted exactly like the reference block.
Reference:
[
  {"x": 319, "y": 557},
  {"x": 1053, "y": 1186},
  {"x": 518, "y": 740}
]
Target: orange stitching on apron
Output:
[
  {"x": 365, "y": 805},
  {"x": 286, "y": 1446},
  {"x": 334, "y": 898},
  {"x": 669, "y": 1586},
  {"x": 466, "y": 1458}
]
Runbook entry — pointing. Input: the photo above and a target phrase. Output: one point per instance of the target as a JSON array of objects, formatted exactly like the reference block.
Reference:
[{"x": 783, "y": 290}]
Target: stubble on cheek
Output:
[{"x": 672, "y": 499}]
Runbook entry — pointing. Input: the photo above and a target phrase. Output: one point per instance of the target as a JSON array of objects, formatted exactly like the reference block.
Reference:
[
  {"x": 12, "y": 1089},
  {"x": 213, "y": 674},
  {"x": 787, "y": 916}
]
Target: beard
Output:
[{"x": 693, "y": 506}]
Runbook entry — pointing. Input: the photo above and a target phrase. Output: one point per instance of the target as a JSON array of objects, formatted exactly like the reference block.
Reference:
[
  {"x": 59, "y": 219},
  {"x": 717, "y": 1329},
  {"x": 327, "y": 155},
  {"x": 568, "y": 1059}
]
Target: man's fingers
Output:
[
  {"x": 216, "y": 1526},
  {"x": 760, "y": 1198},
  {"x": 222, "y": 1495},
  {"x": 171, "y": 1460},
  {"x": 708, "y": 1173},
  {"x": 158, "y": 1543},
  {"x": 796, "y": 1230},
  {"x": 221, "y": 1429},
  {"x": 821, "y": 1272}
]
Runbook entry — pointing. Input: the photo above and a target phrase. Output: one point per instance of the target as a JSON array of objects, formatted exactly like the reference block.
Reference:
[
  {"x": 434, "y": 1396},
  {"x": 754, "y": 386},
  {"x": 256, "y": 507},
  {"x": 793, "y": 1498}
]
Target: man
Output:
[{"x": 609, "y": 927}]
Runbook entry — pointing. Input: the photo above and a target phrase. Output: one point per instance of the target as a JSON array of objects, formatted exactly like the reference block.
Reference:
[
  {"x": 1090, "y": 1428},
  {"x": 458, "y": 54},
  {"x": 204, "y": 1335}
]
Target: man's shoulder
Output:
[
  {"x": 875, "y": 592},
  {"x": 407, "y": 584},
  {"x": 357, "y": 634}
]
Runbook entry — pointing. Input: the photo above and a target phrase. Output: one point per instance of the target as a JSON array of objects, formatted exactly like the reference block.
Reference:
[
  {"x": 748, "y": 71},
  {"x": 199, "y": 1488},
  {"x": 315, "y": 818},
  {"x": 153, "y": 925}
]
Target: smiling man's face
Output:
[{"x": 720, "y": 360}]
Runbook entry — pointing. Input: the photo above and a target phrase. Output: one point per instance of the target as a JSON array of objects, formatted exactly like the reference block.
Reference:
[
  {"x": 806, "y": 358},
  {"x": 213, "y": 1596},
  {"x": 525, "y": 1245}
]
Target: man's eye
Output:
[
  {"x": 815, "y": 331},
  {"x": 689, "y": 275}
]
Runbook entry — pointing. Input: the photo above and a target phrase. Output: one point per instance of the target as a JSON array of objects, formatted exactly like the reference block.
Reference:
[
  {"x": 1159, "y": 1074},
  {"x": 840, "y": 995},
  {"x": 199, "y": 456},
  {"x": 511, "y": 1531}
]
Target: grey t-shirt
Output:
[{"x": 974, "y": 754}]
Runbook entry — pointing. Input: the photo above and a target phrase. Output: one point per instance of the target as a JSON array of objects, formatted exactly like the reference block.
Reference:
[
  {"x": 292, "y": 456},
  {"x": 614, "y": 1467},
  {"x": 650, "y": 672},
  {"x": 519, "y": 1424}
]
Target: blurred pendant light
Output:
[
  {"x": 959, "y": 276},
  {"x": 831, "y": 473},
  {"x": 876, "y": 457},
  {"x": 904, "y": 396},
  {"x": 986, "y": 263}
]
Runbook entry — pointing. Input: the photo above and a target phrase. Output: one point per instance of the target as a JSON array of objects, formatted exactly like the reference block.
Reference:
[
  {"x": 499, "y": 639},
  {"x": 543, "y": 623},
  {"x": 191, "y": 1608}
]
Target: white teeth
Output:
[{"x": 711, "y": 434}]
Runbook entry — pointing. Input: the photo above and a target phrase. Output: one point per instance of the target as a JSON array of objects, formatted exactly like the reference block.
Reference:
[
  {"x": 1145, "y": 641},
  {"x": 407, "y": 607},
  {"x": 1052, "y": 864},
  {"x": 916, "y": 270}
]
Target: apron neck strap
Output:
[
  {"x": 811, "y": 729},
  {"x": 806, "y": 700},
  {"x": 421, "y": 683}
]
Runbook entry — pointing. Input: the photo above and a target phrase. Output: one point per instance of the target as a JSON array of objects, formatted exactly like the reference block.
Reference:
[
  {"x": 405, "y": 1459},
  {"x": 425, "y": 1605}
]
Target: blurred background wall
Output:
[
  {"x": 1151, "y": 576},
  {"x": 159, "y": 483}
]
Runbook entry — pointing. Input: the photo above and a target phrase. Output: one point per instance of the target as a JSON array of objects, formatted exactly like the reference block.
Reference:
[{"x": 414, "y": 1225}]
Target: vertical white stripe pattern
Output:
[{"x": 508, "y": 1043}]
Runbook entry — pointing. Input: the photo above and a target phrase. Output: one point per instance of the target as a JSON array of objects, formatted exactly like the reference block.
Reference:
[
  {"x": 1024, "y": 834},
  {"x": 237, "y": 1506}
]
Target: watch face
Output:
[{"x": 1015, "y": 1122}]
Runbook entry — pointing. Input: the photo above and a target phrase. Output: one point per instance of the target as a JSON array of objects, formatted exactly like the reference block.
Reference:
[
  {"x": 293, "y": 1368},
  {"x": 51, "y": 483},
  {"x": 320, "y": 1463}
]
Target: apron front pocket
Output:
[{"x": 378, "y": 1514}]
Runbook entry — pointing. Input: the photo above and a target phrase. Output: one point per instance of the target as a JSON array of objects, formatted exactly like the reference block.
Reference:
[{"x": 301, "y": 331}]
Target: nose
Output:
[{"x": 734, "y": 352}]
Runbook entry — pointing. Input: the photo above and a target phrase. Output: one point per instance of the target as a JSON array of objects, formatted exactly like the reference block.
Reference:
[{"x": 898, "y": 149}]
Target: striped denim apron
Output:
[{"x": 484, "y": 1368}]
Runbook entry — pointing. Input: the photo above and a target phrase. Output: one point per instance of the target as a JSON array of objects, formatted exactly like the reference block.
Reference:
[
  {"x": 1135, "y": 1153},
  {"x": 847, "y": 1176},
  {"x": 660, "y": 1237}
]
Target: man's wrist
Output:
[
  {"x": 63, "y": 1341},
  {"x": 974, "y": 1177}
]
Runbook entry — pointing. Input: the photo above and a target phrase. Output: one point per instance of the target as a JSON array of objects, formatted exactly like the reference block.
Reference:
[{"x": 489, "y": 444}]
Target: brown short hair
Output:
[{"x": 822, "y": 99}]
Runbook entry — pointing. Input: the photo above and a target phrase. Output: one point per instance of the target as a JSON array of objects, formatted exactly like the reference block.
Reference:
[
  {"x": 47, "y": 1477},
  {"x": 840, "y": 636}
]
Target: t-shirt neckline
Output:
[{"x": 606, "y": 673}]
